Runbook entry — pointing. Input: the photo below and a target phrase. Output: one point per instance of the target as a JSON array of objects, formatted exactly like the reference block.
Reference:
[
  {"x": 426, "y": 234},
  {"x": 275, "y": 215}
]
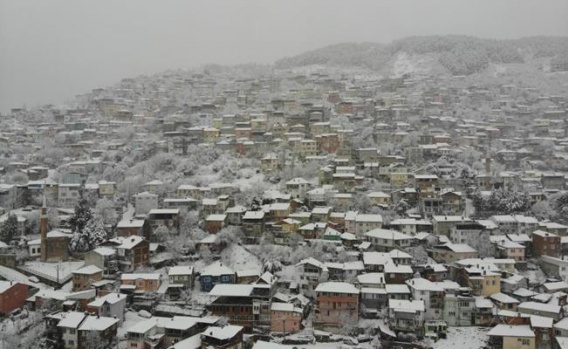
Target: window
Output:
[{"x": 525, "y": 341}]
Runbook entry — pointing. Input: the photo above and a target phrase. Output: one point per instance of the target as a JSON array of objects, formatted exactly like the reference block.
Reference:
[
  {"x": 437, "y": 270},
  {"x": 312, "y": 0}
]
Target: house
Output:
[
  {"x": 513, "y": 250},
  {"x": 138, "y": 227},
  {"x": 285, "y": 318},
  {"x": 279, "y": 211},
  {"x": 78, "y": 329},
  {"x": 337, "y": 304},
  {"x": 483, "y": 282},
  {"x": 397, "y": 273},
  {"x": 168, "y": 217},
  {"x": 235, "y": 215},
  {"x": 555, "y": 266},
  {"x": 253, "y": 223},
  {"x": 269, "y": 163},
  {"x": 367, "y": 222},
  {"x": 181, "y": 275},
  {"x": 214, "y": 274},
  {"x": 133, "y": 252},
  {"x": 545, "y": 244},
  {"x": 107, "y": 189},
  {"x": 321, "y": 214},
  {"x": 311, "y": 271},
  {"x": 298, "y": 187},
  {"x": 227, "y": 337},
  {"x": 154, "y": 187},
  {"x": 465, "y": 233},
  {"x": 505, "y": 336},
  {"x": 99, "y": 329},
  {"x": 149, "y": 282},
  {"x": 104, "y": 258},
  {"x": 505, "y": 302},
  {"x": 506, "y": 224},
  {"x": 484, "y": 312},
  {"x": 450, "y": 252},
  {"x": 215, "y": 222},
  {"x": 431, "y": 294},
  {"x": 68, "y": 194},
  {"x": 459, "y": 309},
  {"x": 13, "y": 295},
  {"x": 112, "y": 305},
  {"x": 379, "y": 198},
  {"x": 561, "y": 328},
  {"x": 162, "y": 332},
  {"x": 386, "y": 240},
  {"x": 410, "y": 226},
  {"x": 553, "y": 311},
  {"x": 188, "y": 191},
  {"x": 245, "y": 305},
  {"x": 543, "y": 330},
  {"x": 145, "y": 202},
  {"x": 84, "y": 277},
  {"x": 442, "y": 225},
  {"x": 406, "y": 316}
]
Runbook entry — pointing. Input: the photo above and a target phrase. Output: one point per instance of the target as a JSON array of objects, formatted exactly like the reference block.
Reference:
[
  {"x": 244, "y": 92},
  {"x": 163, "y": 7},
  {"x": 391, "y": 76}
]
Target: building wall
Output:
[
  {"x": 515, "y": 343},
  {"x": 335, "y": 310},
  {"x": 284, "y": 321},
  {"x": 548, "y": 246},
  {"x": 13, "y": 298},
  {"x": 83, "y": 281}
]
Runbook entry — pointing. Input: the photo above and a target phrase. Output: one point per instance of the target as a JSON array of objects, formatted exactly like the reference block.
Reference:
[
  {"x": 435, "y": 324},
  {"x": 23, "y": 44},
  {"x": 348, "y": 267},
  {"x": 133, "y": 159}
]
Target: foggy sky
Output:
[{"x": 53, "y": 50}]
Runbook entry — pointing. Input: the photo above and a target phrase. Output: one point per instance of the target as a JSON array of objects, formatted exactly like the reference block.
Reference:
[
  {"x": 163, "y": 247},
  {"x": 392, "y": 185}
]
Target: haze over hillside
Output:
[{"x": 457, "y": 55}]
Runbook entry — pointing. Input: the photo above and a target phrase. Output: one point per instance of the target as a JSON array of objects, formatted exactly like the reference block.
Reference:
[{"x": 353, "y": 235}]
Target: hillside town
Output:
[{"x": 271, "y": 208}]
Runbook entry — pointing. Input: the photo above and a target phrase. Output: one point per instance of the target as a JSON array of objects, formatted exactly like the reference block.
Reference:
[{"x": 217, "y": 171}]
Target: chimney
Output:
[{"x": 43, "y": 223}]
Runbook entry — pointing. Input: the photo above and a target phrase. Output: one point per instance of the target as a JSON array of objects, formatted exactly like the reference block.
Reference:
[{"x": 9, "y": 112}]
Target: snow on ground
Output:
[
  {"x": 238, "y": 258},
  {"x": 250, "y": 179},
  {"x": 407, "y": 64},
  {"x": 463, "y": 338}
]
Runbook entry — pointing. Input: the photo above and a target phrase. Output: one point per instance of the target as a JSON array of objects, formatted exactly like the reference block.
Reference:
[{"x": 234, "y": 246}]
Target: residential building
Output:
[
  {"x": 149, "y": 282},
  {"x": 505, "y": 336},
  {"x": 13, "y": 295},
  {"x": 337, "y": 303},
  {"x": 406, "y": 316}
]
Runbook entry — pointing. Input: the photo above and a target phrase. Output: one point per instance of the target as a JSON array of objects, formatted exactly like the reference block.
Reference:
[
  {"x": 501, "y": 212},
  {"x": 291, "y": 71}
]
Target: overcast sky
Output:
[{"x": 53, "y": 50}]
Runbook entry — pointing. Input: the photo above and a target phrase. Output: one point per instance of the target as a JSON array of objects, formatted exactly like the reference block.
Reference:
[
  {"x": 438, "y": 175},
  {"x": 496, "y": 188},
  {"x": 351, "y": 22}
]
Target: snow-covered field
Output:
[
  {"x": 236, "y": 257},
  {"x": 463, "y": 338}
]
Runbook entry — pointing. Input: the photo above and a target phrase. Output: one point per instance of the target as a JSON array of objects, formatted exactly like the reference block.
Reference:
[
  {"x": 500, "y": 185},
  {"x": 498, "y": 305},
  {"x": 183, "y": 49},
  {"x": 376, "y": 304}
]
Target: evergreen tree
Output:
[
  {"x": 88, "y": 231},
  {"x": 9, "y": 229},
  {"x": 82, "y": 214}
]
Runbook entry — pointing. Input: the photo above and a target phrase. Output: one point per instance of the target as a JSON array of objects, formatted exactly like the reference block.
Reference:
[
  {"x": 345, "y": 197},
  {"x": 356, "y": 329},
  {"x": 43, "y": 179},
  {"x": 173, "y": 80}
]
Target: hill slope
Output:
[{"x": 458, "y": 55}]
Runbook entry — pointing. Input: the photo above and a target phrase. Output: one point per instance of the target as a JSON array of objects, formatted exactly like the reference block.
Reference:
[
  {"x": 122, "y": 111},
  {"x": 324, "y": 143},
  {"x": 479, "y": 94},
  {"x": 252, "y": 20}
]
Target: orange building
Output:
[{"x": 140, "y": 282}]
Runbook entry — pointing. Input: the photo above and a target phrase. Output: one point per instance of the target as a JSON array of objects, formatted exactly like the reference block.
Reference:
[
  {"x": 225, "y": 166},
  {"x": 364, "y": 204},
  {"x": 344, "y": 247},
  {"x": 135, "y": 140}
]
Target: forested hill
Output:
[{"x": 459, "y": 55}]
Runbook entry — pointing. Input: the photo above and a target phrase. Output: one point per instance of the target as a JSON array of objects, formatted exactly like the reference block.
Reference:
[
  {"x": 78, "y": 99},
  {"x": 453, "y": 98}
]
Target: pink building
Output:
[{"x": 285, "y": 318}]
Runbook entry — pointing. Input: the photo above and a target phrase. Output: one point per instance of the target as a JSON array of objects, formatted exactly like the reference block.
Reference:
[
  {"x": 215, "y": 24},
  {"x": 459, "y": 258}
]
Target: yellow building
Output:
[
  {"x": 379, "y": 198},
  {"x": 211, "y": 134},
  {"x": 399, "y": 179},
  {"x": 484, "y": 282},
  {"x": 107, "y": 188},
  {"x": 290, "y": 225}
]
